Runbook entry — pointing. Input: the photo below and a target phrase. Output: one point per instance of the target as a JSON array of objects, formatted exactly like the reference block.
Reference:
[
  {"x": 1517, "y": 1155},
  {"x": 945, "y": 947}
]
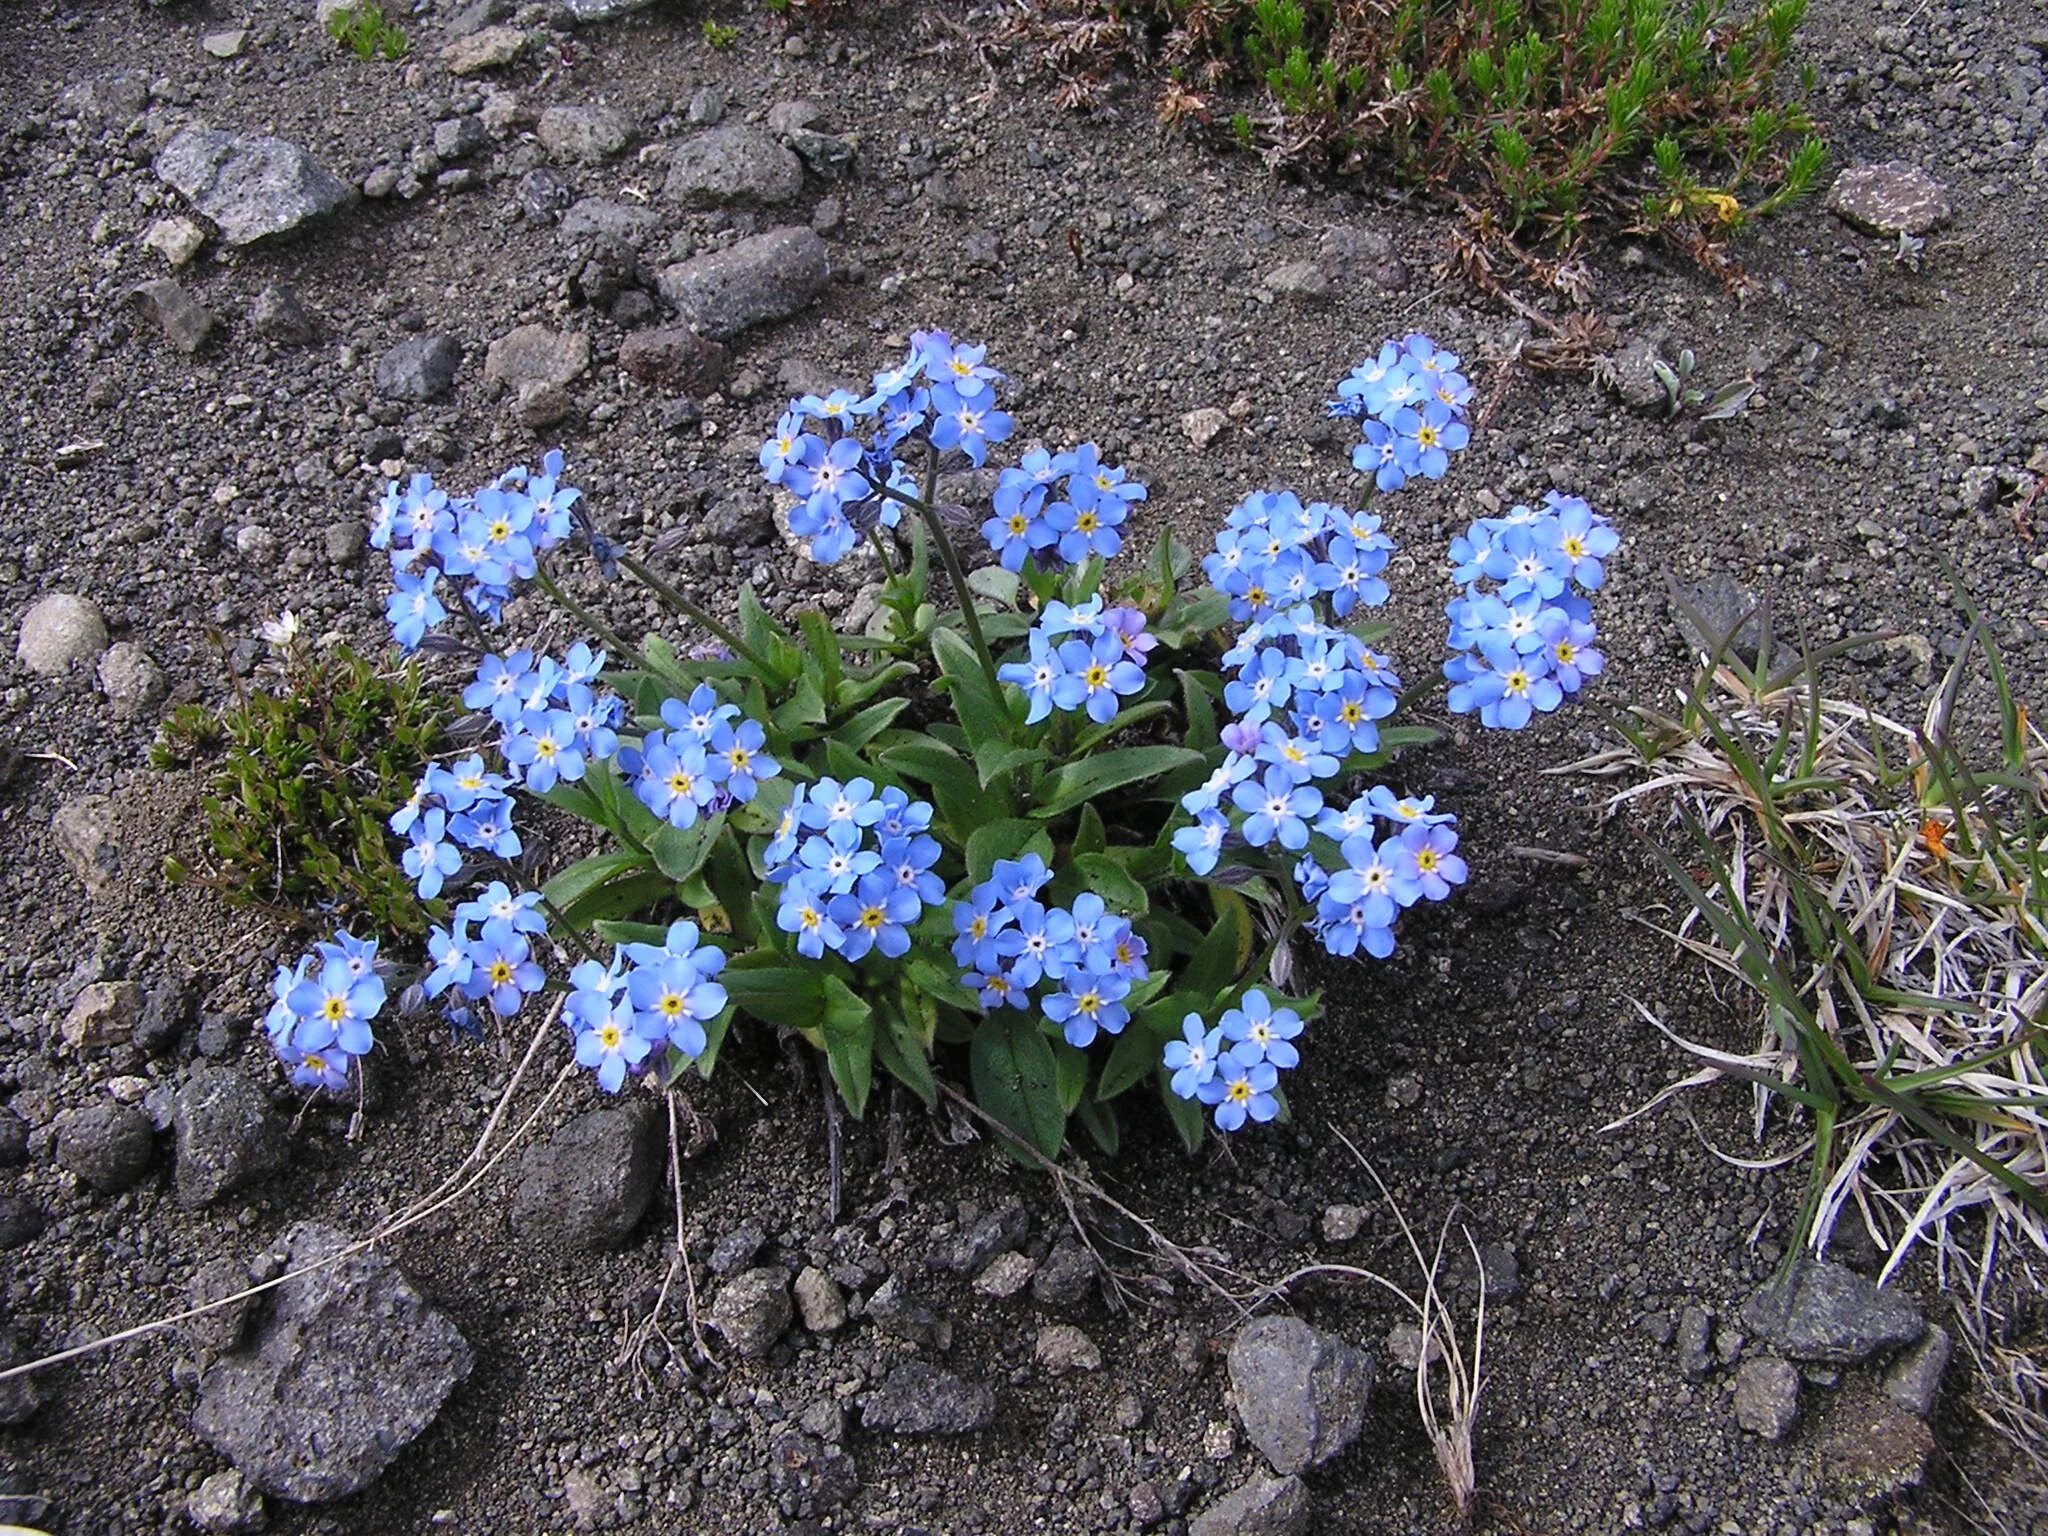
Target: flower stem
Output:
[
  {"x": 691, "y": 611},
  {"x": 610, "y": 637},
  {"x": 950, "y": 559}
]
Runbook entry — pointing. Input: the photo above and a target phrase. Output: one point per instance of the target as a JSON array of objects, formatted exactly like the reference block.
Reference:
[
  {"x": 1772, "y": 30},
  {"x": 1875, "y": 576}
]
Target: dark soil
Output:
[{"x": 1117, "y": 275}]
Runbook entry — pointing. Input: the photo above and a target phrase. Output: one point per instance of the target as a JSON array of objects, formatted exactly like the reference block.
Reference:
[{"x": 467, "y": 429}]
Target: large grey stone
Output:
[
  {"x": 921, "y": 1399},
  {"x": 752, "y": 1310},
  {"x": 1265, "y": 1506},
  {"x": 347, "y": 1370},
  {"x": 768, "y": 277},
  {"x": 106, "y": 1145},
  {"x": 1914, "y": 1381},
  {"x": 1300, "y": 1392},
  {"x": 1893, "y": 197},
  {"x": 589, "y": 1184},
  {"x": 82, "y": 829},
  {"x": 600, "y": 10},
  {"x": 251, "y": 186},
  {"x": 597, "y": 218},
  {"x": 62, "y": 631},
  {"x": 673, "y": 357},
  {"x": 228, "y": 1136},
  {"x": 584, "y": 135},
  {"x": 735, "y": 164},
  {"x": 131, "y": 680},
  {"x": 535, "y": 354},
  {"x": 1823, "y": 1312},
  {"x": 1767, "y": 1397},
  {"x": 420, "y": 368},
  {"x": 280, "y": 315}
]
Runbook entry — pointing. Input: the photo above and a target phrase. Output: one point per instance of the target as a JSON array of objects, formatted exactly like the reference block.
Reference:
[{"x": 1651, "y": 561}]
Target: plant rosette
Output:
[{"x": 1069, "y": 821}]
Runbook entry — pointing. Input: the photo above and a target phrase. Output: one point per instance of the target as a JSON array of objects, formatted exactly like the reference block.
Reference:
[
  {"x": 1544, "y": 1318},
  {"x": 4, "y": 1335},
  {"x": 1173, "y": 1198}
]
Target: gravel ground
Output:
[{"x": 191, "y": 479}]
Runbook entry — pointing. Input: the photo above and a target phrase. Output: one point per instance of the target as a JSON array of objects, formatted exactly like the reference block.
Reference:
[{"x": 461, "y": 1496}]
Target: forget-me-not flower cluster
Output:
[
  {"x": 322, "y": 1008},
  {"x": 473, "y": 549},
  {"x": 710, "y": 758},
  {"x": 650, "y": 998},
  {"x": 855, "y": 867},
  {"x": 1057, "y": 509},
  {"x": 1409, "y": 402},
  {"x": 1076, "y": 964},
  {"x": 1081, "y": 657},
  {"x": 1235, "y": 1065},
  {"x": 1522, "y": 635},
  {"x": 1391, "y": 851},
  {"x": 838, "y": 453}
]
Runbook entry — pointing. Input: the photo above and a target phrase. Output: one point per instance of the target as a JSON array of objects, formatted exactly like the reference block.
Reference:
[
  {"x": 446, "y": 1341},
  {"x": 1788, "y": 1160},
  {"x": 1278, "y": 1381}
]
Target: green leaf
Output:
[
  {"x": 993, "y": 765},
  {"x": 573, "y": 798},
  {"x": 586, "y": 875},
  {"x": 679, "y": 852},
  {"x": 821, "y": 647},
  {"x": 804, "y": 706},
  {"x": 1106, "y": 876},
  {"x": 1185, "y": 1113},
  {"x": 1198, "y": 697},
  {"x": 763, "y": 813},
  {"x": 1068, "y": 786},
  {"x": 980, "y": 706},
  {"x": 615, "y": 932},
  {"x": 1136, "y": 714},
  {"x": 619, "y": 898},
  {"x": 995, "y": 584},
  {"x": 1070, "y": 1075},
  {"x": 902, "y": 1052},
  {"x": 1224, "y": 949},
  {"x": 778, "y": 994},
  {"x": 768, "y": 640},
  {"x": 1008, "y": 839},
  {"x": 956, "y": 791},
  {"x": 937, "y": 982},
  {"x": 1089, "y": 836},
  {"x": 1189, "y": 619},
  {"x": 864, "y": 727},
  {"x": 1016, "y": 1080},
  {"x": 859, "y": 687},
  {"x": 1099, "y": 1120},
  {"x": 849, "y": 1028},
  {"x": 1130, "y": 1060}
]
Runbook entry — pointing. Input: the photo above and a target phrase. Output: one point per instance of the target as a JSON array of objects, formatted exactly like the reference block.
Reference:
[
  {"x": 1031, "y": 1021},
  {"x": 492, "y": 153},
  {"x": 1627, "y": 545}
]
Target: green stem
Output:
[
  {"x": 955, "y": 573},
  {"x": 691, "y": 611},
  {"x": 882, "y": 551},
  {"x": 1297, "y": 914},
  {"x": 476, "y": 625},
  {"x": 610, "y": 637}
]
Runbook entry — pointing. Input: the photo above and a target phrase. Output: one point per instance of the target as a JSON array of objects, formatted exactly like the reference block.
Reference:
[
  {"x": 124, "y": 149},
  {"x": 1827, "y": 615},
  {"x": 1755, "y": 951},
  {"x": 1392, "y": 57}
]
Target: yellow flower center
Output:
[
  {"x": 872, "y": 918},
  {"x": 609, "y": 1036},
  {"x": 1574, "y": 546},
  {"x": 1518, "y": 682},
  {"x": 1087, "y": 522},
  {"x": 1566, "y": 651},
  {"x": 671, "y": 1003},
  {"x": 500, "y": 972},
  {"x": 335, "y": 1008},
  {"x": 1426, "y": 861},
  {"x": 1097, "y": 675},
  {"x": 1240, "y": 1091}
]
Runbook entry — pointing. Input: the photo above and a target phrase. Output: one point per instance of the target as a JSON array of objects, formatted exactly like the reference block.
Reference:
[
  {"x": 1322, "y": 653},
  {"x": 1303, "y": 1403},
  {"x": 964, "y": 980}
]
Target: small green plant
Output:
[
  {"x": 1536, "y": 113},
  {"x": 1682, "y": 397},
  {"x": 1880, "y": 891},
  {"x": 309, "y": 770},
  {"x": 364, "y": 29},
  {"x": 719, "y": 35}
]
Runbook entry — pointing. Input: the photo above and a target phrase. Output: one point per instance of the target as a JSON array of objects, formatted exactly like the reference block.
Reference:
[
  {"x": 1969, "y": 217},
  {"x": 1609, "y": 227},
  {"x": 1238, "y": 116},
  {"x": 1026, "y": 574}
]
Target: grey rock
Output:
[
  {"x": 674, "y": 357},
  {"x": 920, "y": 1399},
  {"x": 543, "y": 406},
  {"x": 586, "y": 11},
  {"x": 457, "y": 138},
  {"x": 1630, "y": 374},
  {"x": 83, "y": 831},
  {"x": 1767, "y": 1397},
  {"x": 132, "y": 681},
  {"x": 225, "y": 1504},
  {"x": 1824, "y": 1312},
  {"x": 252, "y": 187},
  {"x": 588, "y": 1185},
  {"x": 487, "y": 48},
  {"x": 21, "y": 1221},
  {"x": 228, "y": 1136},
  {"x": 1914, "y": 1381},
  {"x": 1695, "y": 1343},
  {"x": 1065, "y": 1277},
  {"x": 224, "y": 45},
  {"x": 997, "y": 1232},
  {"x": 786, "y": 117},
  {"x": 825, "y": 154},
  {"x": 752, "y": 1310},
  {"x": 734, "y": 164},
  {"x": 347, "y": 1370},
  {"x": 819, "y": 1301},
  {"x": 902, "y": 1314},
  {"x": 420, "y": 368},
  {"x": 103, "y": 1015},
  {"x": 1265, "y": 1506},
  {"x": 176, "y": 240},
  {"x": 542, "y": 195},
  {"x": 166, "y": 1010},
  {"x": 534, "y": 354},
  {"x": 809, "y": 1477},
  {"x": 584, "y": 135},
  {"x": 1893, "y": 197},
  {"x": 115, "y": 98},
  {"x": 768, "y": 277},
  {"x": 220, "y": 1330},
  {"x": 596, "y": 217},
  {"x": 1350, "y": 256},
  {"x": 13, "y": 1139},
  {"x": 279, "y": 315},
  {"x": 342, "y": 542},
  {"x": 62, "y": 631},
  {"x": 106, "y": 1145},
  {"x": 1341, "y": 1223},
  {"x": 737, "y": 1249},
  {"x": 20, "y": 1397},
  {"x": 1305, "y": 282},
  {"x": 706, "y": 106},
  {"x": 1062, "y": 1349},
  {"x": 1719, "y": 612},
  {"x": 1300, "y": 1393}
]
